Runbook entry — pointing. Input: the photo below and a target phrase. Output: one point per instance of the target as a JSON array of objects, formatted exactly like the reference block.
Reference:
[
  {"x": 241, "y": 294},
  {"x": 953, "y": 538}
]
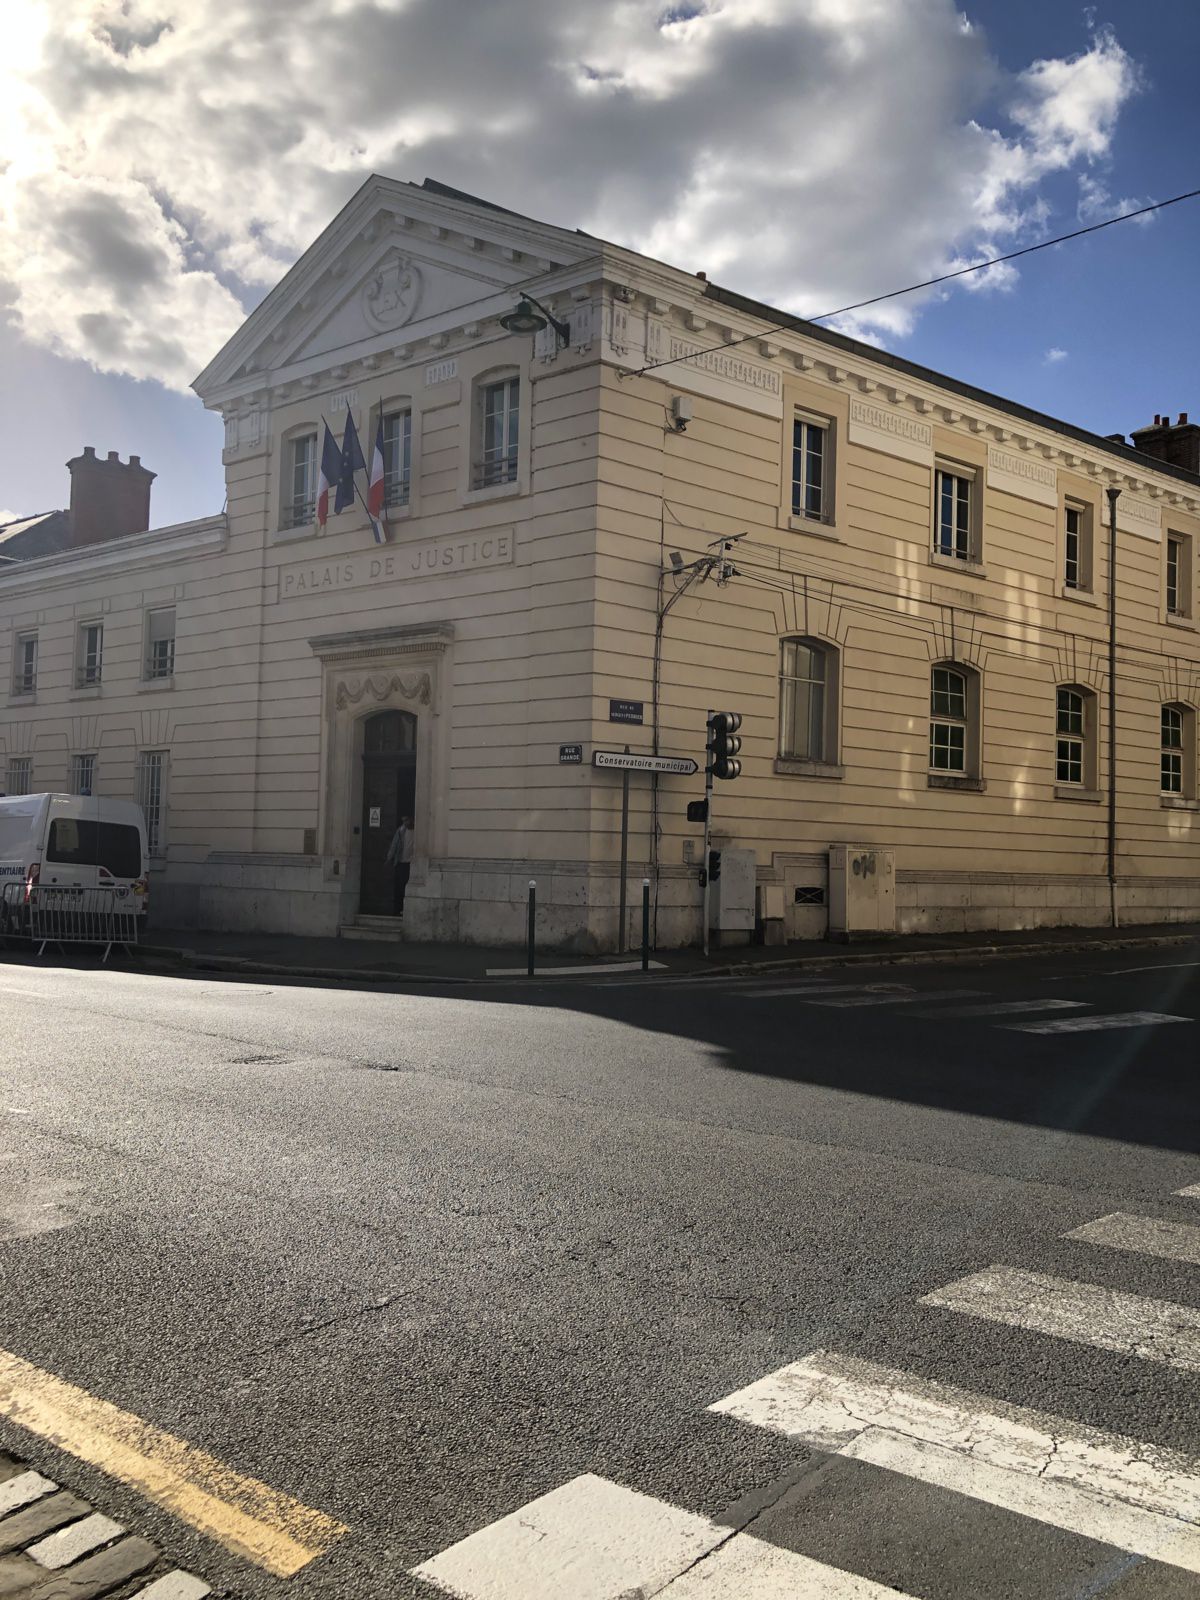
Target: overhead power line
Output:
[{"x": 912, "y": 288}]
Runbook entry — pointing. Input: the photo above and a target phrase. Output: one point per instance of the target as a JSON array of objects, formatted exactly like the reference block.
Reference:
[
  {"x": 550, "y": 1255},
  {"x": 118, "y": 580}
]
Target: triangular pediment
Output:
[{"x": 399, "y": 264}]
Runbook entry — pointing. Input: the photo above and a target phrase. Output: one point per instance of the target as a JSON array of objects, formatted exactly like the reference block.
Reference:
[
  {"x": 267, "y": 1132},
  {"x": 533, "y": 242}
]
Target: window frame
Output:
[
  {"x": 77, "y": 770},
  {"x": 1082, "y": 739},
  {"x": 89, "y": 664},
  {"x": 296, "y": 511},
  {"x": 149, "y": 672},
  {"x": 12, "y": 764},
  {"x": 971, "y": 478},
  {"x": 1181, "y": 755},
  {"x": 24, "y": 681},
  {"x": 806, "y": 420},
  {"x": 158, "y": 762},
  {"x": 827, "y": 757},
  {"x": 968, "y": 723},
  {"x": 1083, "y": 561},
  {"x": 393, "y": 498},
  {"x": 485, "y": 478},
  {"x": 1181, "y": 543}
]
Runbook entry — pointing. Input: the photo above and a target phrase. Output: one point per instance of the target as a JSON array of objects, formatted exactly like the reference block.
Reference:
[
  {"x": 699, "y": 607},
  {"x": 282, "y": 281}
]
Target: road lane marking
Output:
[
  {"x": 1099, "y": 1485},
  {"x": 1084, "y": 1313},
  {"x": 80, "y": 1539},
  {"x": 1192, "y": 1191},
  {"x": 899, "y": 999},
  {"x": 1149, "y": 1236},
  {"x": 592, "y": 1539},
  {"x": 1003, "y": 1008},
  {"x": 1164, "y": 966},
  {"x": 801, "y": 991},
  {"x": 1114, "y": 1019},
  {"x": 23, "y": 1490},
  {"x": 268, "y": 1528}
]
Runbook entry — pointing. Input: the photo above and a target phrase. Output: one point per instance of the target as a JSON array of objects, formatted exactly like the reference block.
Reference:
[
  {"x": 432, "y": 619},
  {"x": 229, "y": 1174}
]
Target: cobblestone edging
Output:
[{"x": 54, "y": 1546}]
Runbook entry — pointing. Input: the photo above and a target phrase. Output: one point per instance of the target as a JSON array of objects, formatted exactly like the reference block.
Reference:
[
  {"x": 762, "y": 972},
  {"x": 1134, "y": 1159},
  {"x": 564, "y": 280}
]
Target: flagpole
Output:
[{"x": 355, "y": 487}]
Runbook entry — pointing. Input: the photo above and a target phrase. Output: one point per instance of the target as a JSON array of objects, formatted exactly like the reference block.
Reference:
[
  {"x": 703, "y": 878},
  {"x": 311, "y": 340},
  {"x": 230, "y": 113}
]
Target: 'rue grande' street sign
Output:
[{"x": 684, "y": 766}]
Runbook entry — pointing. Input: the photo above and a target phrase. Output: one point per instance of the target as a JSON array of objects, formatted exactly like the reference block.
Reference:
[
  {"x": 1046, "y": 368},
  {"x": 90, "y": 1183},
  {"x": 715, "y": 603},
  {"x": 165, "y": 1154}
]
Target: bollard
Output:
[
  {"x": 645, "y": 924},
  {"x": 532, "y": 919}
]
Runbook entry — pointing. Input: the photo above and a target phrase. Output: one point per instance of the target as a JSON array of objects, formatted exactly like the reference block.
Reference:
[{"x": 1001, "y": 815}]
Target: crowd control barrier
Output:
[{"x": 51, "y": 915}]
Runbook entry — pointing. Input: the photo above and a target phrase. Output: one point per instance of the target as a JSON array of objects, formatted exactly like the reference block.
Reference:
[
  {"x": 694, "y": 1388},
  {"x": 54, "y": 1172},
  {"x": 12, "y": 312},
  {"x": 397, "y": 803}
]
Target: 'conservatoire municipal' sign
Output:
[
  {"x": 398, "y": 564},
  {"x": 683, "y": 765}
]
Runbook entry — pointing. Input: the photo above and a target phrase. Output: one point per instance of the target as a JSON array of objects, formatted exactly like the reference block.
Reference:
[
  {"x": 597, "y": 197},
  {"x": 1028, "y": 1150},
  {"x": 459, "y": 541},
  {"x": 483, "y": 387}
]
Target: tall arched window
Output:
[
  {"x": 807, "y": 701},
  {"x": 954, "y": 742},
  {"x": 1075, "y": 737},
  {"x": 1177, "y": 761}
]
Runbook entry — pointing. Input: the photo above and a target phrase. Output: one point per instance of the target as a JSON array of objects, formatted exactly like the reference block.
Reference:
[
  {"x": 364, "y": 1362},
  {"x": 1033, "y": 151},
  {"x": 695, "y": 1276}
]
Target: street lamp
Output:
[{"x": 527, "y": 319}]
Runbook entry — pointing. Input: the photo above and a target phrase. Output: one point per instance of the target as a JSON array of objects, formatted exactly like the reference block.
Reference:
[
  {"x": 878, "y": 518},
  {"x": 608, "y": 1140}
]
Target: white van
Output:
[{"x": 70, "y": 841}]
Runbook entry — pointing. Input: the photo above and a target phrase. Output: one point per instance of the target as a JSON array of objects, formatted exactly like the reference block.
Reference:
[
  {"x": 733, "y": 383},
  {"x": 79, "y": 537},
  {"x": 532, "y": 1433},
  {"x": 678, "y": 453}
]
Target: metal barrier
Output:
[{"x": 55, "y": 915}]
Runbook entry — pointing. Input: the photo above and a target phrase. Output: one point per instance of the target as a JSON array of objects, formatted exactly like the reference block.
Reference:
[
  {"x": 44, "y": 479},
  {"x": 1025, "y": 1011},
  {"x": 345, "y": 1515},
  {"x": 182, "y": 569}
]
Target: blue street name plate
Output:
[{"x": 571, "y": 755}]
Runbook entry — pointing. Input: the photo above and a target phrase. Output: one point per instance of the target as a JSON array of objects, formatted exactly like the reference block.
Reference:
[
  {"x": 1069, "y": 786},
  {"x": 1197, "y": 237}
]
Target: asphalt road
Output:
[{"x": 417, "y": 1259}]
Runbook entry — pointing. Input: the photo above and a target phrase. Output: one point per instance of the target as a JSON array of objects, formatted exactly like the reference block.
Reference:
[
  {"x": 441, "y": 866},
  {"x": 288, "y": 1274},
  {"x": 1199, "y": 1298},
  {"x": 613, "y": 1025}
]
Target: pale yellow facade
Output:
[{"x": 505, "y": 618}]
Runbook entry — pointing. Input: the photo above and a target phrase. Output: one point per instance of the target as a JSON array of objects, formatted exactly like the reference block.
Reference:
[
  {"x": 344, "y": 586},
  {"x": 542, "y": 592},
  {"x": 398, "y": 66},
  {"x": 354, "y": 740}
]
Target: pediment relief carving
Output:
[{"x": 391, "y": 295}]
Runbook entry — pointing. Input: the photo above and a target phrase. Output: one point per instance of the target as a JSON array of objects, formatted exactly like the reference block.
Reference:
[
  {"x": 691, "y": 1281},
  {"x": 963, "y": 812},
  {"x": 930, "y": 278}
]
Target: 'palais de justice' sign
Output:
[{"x": 436, "y": 558}]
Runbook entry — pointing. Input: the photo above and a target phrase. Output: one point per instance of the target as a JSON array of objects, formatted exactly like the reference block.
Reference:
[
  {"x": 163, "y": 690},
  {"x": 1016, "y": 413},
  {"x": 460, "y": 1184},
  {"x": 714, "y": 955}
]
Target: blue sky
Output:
[{"x": 133, "y": 234}]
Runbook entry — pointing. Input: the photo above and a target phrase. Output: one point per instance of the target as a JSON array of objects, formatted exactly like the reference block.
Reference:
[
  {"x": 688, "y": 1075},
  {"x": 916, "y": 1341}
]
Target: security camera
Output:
[{"x": 681, "y": 412}]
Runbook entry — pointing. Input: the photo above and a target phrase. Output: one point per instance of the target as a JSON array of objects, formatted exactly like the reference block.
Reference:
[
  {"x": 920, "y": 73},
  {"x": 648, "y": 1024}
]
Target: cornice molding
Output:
[
  {"x": 152, "y": 548},
  {"x": 373, "y": 644}
]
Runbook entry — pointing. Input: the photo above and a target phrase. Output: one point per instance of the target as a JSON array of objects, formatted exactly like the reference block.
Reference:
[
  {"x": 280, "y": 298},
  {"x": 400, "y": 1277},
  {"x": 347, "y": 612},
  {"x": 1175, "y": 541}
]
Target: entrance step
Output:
[{"x": 388, "y": 930}]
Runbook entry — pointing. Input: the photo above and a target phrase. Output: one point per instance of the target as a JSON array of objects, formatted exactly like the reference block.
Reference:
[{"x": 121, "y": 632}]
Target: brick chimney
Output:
[
  {"x": 1178, "y": 446},
  {"x": 109, "y": 499}
]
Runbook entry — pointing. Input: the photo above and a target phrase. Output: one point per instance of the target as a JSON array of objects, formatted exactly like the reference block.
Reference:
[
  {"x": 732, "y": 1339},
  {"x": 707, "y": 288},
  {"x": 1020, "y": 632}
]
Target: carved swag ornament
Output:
[{"x": 419, "y": 689}]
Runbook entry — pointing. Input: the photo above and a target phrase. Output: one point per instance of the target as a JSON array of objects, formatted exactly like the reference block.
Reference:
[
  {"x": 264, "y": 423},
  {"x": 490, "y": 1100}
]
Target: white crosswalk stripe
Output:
[
  {"x": 1084, "y": 1313},
  {"x": 1000, "y": 1008},
  {"x": 1099, "y": 1485},
  {"x": 595, "y": 1540},
  {"x": 1091, "y": 1024},
  {"x": 869, "y": 999},
  {"x": 1173, "y": 1241}
]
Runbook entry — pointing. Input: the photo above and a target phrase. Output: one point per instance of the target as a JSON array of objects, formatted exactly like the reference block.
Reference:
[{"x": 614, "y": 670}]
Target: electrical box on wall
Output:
[
  {"x": 862, "y": 891},
  {"x": 731, "y": 899}
]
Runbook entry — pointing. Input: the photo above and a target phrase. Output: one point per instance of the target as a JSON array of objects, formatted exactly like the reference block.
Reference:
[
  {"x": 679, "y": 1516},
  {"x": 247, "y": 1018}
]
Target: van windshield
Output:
[{"x": 80, "y": 842}]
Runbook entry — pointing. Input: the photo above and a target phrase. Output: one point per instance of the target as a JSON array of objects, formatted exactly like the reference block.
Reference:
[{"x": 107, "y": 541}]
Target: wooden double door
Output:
[{"x": 389, "y": 790}]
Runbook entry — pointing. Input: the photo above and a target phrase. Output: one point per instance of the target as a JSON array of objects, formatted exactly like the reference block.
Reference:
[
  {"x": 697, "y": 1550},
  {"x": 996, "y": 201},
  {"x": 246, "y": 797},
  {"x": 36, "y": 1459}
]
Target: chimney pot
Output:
[
  {"x": 114, "y": 455},
  {"x": 135, "y": 461},
  {"x": 89, "y": 451},
  {"x": 1183, "y": 419}
]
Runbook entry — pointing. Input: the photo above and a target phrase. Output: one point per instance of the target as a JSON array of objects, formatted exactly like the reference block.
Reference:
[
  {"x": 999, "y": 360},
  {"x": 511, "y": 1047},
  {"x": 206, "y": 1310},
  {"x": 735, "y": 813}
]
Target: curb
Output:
[{"x": 246, "y": 967}]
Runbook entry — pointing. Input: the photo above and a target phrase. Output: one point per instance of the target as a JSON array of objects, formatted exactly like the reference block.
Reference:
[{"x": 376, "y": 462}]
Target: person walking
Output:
[{"x": 399, "y": 858}]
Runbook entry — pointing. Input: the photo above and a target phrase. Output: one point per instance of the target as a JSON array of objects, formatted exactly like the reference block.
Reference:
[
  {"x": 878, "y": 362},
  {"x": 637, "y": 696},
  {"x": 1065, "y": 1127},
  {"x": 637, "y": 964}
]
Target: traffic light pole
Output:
[{"x": 708, "y": 793}]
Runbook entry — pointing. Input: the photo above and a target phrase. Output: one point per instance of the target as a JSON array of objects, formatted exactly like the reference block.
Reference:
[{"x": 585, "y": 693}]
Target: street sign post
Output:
[{"x": 681, "y": 766}]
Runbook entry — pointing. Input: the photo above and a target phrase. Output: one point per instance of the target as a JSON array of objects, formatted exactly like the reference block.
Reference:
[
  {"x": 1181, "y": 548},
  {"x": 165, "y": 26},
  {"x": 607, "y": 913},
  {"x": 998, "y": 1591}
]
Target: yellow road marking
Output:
[{"x": 246, "y": 1516}]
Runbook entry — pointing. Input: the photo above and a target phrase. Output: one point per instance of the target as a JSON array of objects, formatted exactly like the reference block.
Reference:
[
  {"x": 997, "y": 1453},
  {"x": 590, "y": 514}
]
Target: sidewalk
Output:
[{"x": 363, "y": 961}]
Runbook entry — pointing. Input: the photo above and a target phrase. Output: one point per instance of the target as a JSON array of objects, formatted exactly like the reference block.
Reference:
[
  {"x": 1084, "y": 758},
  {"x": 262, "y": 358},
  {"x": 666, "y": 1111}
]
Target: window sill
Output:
[
  {"x": 1085, "y": 597},
  {"x": 815, "y": 527},
  {"x": 23, "y": 698},
  {"x": 795, "y": 768},
  {"x": 974, "y": 569},
  {"x": 87, "y": 691},
  {"x": 155, "y": 685},
  {"x": 1173, "y": 620},
  {"x": 1071, "y": 791},
  {"x": 1178, "y": 802},
  {"x": 493, "y": 491},
  {"x": 295, "y": 535},
  {"x": 944, "y": 780}
]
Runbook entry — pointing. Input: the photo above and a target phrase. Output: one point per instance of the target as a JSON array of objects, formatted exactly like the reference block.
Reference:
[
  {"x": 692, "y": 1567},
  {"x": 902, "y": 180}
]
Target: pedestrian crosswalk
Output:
[{"x": 595, "y": 1539}]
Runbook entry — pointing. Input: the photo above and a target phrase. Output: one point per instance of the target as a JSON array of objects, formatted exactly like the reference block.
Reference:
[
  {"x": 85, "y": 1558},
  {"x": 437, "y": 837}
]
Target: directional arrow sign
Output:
[{"x": 683, "y": 765}]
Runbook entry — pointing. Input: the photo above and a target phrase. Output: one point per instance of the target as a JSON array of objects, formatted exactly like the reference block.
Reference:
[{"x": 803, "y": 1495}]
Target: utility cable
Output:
[{"x": 912, "y": 288}]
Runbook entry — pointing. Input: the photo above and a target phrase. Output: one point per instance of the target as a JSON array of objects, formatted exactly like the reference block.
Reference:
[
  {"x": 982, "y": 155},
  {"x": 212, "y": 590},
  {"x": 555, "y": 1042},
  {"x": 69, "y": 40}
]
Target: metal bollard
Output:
[
  {"x": 645, "y": 924},
  {"x": 532, "y": 920}
]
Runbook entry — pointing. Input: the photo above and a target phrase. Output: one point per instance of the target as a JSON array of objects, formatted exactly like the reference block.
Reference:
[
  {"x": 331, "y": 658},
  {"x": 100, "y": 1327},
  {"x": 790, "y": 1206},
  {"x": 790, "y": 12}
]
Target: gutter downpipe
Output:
[{"x": 1113, "y": 497}]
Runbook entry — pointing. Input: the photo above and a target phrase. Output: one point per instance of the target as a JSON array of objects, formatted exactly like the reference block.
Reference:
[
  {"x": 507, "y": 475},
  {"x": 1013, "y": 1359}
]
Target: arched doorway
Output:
[{"x": 388, "y": 793}]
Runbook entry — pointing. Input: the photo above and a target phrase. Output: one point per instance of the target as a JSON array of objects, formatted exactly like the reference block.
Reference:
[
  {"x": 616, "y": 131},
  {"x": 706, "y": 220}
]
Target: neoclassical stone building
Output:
[{"x": 675, "y": 500}]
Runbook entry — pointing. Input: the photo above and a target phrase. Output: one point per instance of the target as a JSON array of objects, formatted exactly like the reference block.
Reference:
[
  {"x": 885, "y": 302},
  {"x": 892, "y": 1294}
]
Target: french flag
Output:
[
  {"x": 328, "y": 474},
  {"x": 376, "y": 489}
]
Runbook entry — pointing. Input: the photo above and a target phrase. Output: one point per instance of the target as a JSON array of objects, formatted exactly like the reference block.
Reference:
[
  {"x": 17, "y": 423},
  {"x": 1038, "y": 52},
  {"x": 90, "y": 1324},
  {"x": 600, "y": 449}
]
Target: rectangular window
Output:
[
  {"x": 1069, "y": 747},
  {"x": 809, "y": 450},
  {"x": 948, "y": 721},
  {"x": 89, "y": 668},
  {"x": 84, "y": 842},
  {"x": 1174, "y": 575},
  {"x": 300, "y": 496},
  {"x": 1172, "y": 750},
  {"x": 952, "y": 532},
  {"x": 151, "y": 786},
  {"x": 499, "y": 433},
  {"x": 160, "y": 643},
  {"x": 397, "y": 457},
  {"x": 25, "y": 664},
  {"x": 83, "y": 774},
  {"x": 1073, "y": 569},
  {"x": 802, "y": 690},
  {"x": 20, "y": 775}
]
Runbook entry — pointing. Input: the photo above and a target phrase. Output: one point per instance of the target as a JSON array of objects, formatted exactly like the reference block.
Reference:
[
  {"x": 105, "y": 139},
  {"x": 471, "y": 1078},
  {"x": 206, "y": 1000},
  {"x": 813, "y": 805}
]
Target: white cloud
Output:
[
  {"x": 167, "y": 159},
  {"x": 1053, "y": 356}
]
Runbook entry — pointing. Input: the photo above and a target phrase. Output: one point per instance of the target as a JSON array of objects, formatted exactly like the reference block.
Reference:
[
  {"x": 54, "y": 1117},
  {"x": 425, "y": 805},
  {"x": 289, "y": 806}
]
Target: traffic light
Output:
[
  {"x": 723, "y": 745},
  {"x": 714, "y": 865},
  {"x": 697, "y": 810}
]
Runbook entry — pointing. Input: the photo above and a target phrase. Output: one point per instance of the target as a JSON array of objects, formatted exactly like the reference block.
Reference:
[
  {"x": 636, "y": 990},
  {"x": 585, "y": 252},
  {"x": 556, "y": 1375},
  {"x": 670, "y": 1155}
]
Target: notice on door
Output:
[{"x": 373, "y": 816}]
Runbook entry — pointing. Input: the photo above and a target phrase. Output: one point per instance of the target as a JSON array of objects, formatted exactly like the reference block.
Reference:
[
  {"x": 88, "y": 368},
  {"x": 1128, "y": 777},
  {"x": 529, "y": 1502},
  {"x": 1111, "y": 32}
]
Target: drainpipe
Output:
[{"x": 1113, "y": 497}]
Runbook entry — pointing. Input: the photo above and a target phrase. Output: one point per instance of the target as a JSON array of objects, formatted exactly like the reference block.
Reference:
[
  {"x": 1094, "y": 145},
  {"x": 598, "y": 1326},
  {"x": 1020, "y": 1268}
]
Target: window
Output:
[
  {"x": 397, "y": 457},
  {"x": 25, "y": 664},
  {"x": 151, "y": 787},
  {"x": 84, "y": 842},
  {"x": 810, "y": 448},
  {"x": 1178, "y": 758},
  {"x": 300, "y": 490},
  {"x": 89, "y": 667},
  {"x": 807, "y": 701},
  {"x": 160, "y": 643},
  {"x": 20, "y": 775},
  {"x": 953, "y": 534},
  {"x": 1179, "y": 575},
  {"x": 948, "y": 721},
  {"x": 83, "y": 774},
  {"x": 1075, "y": 737},
  {"x": 1077, "y": 548},
  {"x": 499, "y": 425}
]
